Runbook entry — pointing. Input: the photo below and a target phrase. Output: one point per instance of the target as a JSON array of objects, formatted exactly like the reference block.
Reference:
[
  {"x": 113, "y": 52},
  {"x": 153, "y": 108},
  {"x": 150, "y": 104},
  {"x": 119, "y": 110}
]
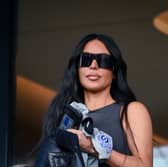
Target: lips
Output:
[{"x": 93, "y": 77}]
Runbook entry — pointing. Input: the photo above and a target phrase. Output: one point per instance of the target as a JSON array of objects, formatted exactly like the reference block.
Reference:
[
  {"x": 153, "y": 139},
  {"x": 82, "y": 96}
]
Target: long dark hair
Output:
[{"x": 71, "y": 88}]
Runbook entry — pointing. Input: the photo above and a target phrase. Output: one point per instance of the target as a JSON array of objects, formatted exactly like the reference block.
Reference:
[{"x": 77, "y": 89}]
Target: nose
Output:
[{"x": 94, "y": 64}]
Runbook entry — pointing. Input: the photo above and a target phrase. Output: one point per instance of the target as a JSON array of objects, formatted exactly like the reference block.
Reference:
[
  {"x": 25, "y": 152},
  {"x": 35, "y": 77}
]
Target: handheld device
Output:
[{"x": 71, "y": 118}]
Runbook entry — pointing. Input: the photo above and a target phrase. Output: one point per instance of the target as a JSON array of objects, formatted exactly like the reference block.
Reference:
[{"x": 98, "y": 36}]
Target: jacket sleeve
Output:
[{"x": 43, "y": 155}]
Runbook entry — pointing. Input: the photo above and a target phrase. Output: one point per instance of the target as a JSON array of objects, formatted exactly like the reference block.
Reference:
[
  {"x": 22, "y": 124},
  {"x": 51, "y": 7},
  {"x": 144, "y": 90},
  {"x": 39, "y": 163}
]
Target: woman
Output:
[{"x": 96, "y": 76}]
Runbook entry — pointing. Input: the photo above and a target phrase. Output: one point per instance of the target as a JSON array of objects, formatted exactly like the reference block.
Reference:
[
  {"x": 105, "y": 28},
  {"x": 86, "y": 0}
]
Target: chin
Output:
[{"x": 94, "y": 89}]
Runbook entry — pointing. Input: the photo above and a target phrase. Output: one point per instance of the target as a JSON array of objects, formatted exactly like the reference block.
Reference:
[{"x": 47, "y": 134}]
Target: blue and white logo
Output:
[{"x": 105, "y": 141}]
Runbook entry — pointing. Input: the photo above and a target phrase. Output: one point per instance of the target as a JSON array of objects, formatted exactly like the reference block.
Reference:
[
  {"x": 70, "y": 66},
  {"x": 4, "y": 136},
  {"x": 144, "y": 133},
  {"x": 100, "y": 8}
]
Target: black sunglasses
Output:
[{"x": 103, "y": 60}]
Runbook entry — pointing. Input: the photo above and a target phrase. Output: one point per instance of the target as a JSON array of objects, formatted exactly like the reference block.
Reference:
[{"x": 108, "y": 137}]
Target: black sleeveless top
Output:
[{"x": 107, "y": 119}]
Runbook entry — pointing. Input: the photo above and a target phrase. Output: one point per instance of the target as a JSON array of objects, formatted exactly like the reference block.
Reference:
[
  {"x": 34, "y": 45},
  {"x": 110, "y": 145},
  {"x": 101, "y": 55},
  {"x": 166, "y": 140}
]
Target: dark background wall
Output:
[{"x": 48, "y": 32}]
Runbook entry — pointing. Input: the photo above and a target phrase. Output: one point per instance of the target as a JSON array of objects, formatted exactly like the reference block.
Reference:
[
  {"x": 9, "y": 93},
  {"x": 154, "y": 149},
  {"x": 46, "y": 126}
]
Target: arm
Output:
[{"x": 139, "y": 140}]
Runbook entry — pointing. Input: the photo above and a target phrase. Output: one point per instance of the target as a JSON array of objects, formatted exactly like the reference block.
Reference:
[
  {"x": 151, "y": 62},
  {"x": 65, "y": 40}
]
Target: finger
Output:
[{"x": 73, "y": 131}]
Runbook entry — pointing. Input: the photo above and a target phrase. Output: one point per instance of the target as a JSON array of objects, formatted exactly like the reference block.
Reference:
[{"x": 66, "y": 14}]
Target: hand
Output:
[
  {"x": 102, "y": 143},
  {"x": 84, "y": 142}
]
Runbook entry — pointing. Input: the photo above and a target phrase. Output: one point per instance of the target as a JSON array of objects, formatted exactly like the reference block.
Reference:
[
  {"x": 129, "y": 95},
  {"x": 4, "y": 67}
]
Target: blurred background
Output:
[{"x": 49, "y": 30}]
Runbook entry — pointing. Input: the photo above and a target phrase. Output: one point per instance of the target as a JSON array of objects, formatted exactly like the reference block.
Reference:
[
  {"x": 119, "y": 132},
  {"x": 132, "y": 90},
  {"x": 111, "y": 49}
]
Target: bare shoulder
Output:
[
  {"x": 137, "y": 109},
  {"x": 136, "y": 104},
  {"x": 139, "y": 116}
]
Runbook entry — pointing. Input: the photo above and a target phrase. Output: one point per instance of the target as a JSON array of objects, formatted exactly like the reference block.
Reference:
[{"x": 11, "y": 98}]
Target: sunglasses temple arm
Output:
[{"x": 80, "y": 61}]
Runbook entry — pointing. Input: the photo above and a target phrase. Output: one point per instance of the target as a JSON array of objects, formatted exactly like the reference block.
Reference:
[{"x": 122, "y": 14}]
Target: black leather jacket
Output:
[{"x": 60, "y": 150}]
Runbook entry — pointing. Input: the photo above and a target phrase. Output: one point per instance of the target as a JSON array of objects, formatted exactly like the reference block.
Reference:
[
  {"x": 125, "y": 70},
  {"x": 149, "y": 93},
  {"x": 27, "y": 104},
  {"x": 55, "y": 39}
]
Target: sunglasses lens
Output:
[
  {"x": 105, "y": 61},
  {"x": 85, "y": 60}
]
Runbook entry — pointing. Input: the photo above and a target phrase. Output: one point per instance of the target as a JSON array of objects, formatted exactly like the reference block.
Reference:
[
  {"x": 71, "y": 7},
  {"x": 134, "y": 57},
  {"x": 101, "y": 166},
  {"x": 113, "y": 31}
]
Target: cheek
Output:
[
  {"x": 81, "y": 74},
  {"x": 108, "y": 80},
  {"x": 107, "y": 75}
]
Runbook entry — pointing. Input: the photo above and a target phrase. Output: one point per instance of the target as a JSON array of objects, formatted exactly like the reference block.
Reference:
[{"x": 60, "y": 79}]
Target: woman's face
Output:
[{"x": 93, "y": 78}]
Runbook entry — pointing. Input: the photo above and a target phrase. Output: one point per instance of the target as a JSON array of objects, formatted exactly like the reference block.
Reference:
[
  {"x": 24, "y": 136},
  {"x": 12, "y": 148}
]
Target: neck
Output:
[{"x": 97, "y": 100}]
